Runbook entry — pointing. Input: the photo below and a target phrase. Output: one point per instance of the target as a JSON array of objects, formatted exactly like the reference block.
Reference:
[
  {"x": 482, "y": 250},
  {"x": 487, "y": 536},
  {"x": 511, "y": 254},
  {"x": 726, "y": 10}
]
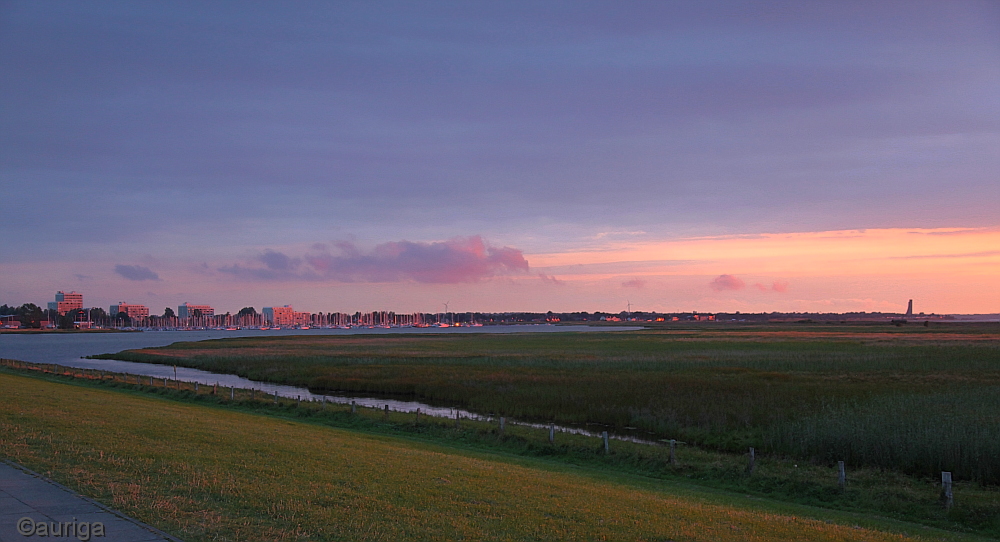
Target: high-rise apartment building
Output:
[
  {"x": 187, "y": 310},
  {"x": 133, "y": 311},
  {"x": 279, "y": 316},
  {"x": 66, "y": 302}
]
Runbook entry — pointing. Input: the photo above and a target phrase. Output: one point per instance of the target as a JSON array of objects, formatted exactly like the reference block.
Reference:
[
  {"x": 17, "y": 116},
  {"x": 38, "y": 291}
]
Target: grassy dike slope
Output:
[{"x": 209, "y": 473}]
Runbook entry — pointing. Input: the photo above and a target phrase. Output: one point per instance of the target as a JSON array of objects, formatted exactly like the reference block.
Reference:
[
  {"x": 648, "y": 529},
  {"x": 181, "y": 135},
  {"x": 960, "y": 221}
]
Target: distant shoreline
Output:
[{"x": 50, "y": 331}]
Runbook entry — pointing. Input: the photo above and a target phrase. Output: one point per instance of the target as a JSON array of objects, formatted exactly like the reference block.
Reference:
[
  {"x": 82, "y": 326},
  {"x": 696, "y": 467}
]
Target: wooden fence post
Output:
[
  {"x": 386, "y": 412},
  {"x": 275, "y": 397},
  {"x": 354, "y": 407},
  {"x": 298, "y": 400},
  {"x": 456, "y": 419},
  {"x": 232, "y": 393},
  {"x": 946, "y": 493},
  {"x": 418, "y": 417},
  {"x": 503, "y": 423},
  {"x": 196, "y": 387},
  {"x": 752, "y": 465},
  {"x": 150, "y": 381},
  {"x": 841, "y": 476},
  {"x": 604, "y": 437},
  {"x": 673, "y": 452},
  {"x": 552, "y": 433}
]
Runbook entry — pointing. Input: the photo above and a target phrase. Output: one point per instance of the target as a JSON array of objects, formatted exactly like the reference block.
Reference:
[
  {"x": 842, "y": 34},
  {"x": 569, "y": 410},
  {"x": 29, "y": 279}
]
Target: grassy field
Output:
[
  {"x": 917, "y": 400},
  {"x": 206, "y": 473}
]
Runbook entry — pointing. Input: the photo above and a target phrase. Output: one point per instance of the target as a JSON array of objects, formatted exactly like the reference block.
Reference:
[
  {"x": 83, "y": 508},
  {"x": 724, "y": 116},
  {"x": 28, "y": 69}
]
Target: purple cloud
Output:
[
  {"x": 136, "y": 272},
  {"x": 634, "y": 283},
  {"x": 277, "y": 261},
  {"x": 457, "y": 260},
  {"x": 726, "y": 282},
  {"x": 271, "y": 265},
  {"x": 549, "y": 279}
]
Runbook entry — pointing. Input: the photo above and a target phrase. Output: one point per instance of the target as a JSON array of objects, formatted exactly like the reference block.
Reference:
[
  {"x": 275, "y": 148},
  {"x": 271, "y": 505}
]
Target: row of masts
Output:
[{"x": 302, "y": 320}]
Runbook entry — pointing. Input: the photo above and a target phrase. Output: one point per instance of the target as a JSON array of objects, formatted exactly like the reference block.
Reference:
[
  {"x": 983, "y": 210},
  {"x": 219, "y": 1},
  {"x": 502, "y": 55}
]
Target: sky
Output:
[{"x": 502, "y": 156}]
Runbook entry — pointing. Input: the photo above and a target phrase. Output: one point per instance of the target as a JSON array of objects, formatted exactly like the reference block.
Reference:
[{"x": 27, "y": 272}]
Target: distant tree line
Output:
[{"x": 31, "y": 316}]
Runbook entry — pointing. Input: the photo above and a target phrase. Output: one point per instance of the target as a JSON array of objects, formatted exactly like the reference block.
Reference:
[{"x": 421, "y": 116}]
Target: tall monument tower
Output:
[{"x": 909, "y": 309}]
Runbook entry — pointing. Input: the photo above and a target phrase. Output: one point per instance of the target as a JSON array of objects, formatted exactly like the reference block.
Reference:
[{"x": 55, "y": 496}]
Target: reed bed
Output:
[
  {"x": 915, "y": 401},
  {"x": 956, "y": 431}
]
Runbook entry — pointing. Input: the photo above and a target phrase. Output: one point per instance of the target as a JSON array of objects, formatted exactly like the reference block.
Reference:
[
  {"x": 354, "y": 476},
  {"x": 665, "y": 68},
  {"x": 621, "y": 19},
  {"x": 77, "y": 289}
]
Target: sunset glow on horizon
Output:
[
  {"x": 730, "y": 156},
  {"x": 954, "y": 269}
]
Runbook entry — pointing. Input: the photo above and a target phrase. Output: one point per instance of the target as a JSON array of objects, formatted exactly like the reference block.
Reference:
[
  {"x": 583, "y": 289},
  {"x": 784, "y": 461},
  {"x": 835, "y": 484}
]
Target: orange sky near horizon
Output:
[
  {"x": 843, "y": 252},
  {"x": 950, "y": 269}
]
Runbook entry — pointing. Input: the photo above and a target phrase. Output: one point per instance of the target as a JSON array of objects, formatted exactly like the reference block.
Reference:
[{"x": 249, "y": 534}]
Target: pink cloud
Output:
[
  {"x": 634, "y": 283},
  {"x": 726, "y": 282},
  {"x": 461, "y": 259},
  {"x": 776, "y": 286}
]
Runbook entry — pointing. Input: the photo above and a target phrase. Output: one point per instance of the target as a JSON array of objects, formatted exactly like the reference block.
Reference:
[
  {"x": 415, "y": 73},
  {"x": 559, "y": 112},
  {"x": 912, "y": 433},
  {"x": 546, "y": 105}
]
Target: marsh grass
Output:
[
  {"x": 957, "y": 430},
  {"x": 875, "y": 396}
]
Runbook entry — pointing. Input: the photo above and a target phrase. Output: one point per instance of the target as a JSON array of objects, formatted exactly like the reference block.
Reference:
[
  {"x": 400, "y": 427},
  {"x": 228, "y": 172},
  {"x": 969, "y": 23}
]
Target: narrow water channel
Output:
[
  {"x": 185, "y": 374},
  {"x": 68, "y": 349}
]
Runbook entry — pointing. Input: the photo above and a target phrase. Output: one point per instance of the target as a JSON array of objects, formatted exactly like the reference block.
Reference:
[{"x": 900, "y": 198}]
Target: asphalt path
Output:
[{"x": 33, "y": 507}]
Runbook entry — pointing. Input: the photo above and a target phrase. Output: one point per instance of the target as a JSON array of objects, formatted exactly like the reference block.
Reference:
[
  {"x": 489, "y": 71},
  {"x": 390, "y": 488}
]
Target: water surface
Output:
[{"x": 69, "y": 349}]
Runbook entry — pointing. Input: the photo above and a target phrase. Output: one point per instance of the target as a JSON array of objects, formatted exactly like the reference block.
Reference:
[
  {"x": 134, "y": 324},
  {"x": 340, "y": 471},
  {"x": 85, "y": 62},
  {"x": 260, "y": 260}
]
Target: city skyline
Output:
[
  {"x": 711, "y": 157},
  {"x": 71, "y": 305}
]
